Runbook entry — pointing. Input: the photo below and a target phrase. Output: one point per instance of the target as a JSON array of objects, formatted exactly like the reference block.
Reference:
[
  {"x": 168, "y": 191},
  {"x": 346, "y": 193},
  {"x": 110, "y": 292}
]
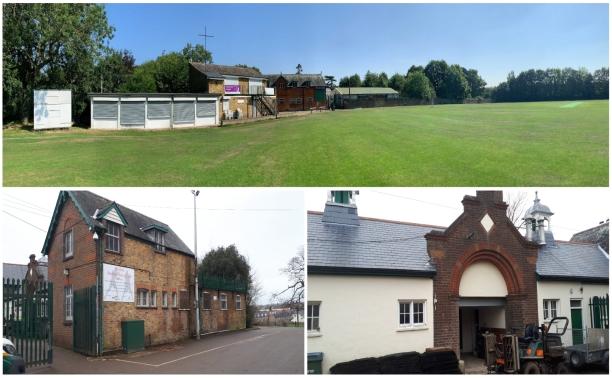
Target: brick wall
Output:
[
  {"x": 466, "y": 242},
  {"x": 215, "y": 319},
  {"x": 81, "y": 267},
  {"x": 170, "y": 272}
]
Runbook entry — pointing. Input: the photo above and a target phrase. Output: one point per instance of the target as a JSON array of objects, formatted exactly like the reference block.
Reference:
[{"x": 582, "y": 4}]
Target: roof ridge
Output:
[
  {"x": 592, "y": 228},
  {"x": 576, "y": 242},
  {"x": 387, "y": 220}
]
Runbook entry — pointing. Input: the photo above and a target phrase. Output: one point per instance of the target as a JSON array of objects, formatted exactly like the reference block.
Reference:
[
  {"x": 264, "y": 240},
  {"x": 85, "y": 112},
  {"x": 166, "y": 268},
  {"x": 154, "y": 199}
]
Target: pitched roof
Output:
[
  {"x": 314, "y": 80},
  {"x": 597, "y": 235},
  {"x": 375, "y": 247},
  {"x": 365, "y": 90},
  {"x": 90, "y": 203},
  {"x": 218, "y": 71},
  {"x": 18, "y": 271},
  {"x": 572, "y": 261}
]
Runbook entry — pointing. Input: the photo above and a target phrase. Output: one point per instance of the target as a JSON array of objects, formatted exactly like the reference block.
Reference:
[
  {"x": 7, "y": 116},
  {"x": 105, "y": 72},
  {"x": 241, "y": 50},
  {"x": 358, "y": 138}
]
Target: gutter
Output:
[
  {"x": 603, "y": 280},
  {"x": 350, "y": 271}
]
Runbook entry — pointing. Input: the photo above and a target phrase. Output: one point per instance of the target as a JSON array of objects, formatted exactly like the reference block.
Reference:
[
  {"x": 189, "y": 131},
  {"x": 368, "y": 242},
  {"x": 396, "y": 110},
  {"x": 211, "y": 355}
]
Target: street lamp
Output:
[{"x": 195, "y": 251}]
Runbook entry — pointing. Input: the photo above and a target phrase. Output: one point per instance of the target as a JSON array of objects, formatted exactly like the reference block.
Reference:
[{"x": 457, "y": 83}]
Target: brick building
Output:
[
  {"x": 431, "y": 286},
  {"x": 243, "y": 89},
  {"x": 299, "y": 91},
  {"x": 111, "y": 264}
]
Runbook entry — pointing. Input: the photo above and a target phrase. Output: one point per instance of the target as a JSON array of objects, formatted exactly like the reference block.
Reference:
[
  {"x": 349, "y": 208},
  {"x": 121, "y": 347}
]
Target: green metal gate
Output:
[
  {"x": 84, "y": 321},
  {"x": 27, "y": 314},
  {"x": 600, "y": 311}
]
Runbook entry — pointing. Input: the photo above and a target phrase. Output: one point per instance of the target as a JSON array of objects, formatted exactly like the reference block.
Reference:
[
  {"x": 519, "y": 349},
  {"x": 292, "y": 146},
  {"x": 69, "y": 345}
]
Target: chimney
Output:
[
  {"x": 491, "y": 196},
  {"x": 340, "y": 208}
]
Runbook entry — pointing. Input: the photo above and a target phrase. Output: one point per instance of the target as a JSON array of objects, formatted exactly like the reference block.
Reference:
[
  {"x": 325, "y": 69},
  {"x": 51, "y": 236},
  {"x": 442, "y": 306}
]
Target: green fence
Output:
[
  {"x": 219, "y": 283},
  {"x": 600, "y": 311},
  {"x": 84, "y": 321},
  {"x": 27, "y": 314}
]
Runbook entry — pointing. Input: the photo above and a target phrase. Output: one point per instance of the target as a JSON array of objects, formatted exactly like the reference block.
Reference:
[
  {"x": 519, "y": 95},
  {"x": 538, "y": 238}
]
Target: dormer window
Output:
[
  {"x": 292, "y": 84},
  {"x": 113, "y": 237},
  {"x": 160, "y": 239}
]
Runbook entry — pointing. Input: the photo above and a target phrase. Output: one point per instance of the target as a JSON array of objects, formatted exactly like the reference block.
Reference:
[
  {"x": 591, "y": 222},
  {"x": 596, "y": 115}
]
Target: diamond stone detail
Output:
[{"x": 487, "y": 222}]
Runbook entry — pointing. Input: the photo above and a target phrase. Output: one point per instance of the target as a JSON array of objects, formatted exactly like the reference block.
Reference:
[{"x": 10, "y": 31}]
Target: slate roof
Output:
[
  {"x": 316, "y": 80},
  {"x": 571, "y": 261},
  {"x": 88, "y": 202},
  {"x": 373, "y": 247},
  {"x": 597, "y": 235},
  {"x": 365, "y": 90},
  {"x": 217, "y": 71},
  {"x": 18, "y": 271}
]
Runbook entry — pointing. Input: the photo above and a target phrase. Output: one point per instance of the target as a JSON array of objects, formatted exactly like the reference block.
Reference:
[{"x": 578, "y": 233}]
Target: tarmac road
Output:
[{"x": 268, "y": 350}]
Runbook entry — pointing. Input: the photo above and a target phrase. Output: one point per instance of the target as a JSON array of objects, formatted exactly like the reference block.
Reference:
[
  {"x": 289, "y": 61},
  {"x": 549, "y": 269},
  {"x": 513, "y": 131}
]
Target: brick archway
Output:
[{"x": 487, "y": 252}]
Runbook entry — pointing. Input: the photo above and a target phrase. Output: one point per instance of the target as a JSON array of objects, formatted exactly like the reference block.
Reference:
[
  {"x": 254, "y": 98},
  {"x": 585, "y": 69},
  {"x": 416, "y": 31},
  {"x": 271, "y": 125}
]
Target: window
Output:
[
  {"x": 142, "y": 298},
  {"x": 184, "y": 299},
  {"x": 153, "y": 298},
  {"x": 174, "y": 301},
  {"x": 68, "y": 303},
  {"x": 411, "y": 313},
  {"x": 113, "y": 238},
  {"x": 238, "y": 302},
  {"x": 281, "y": 100},
  {"x": 68, "y": 244},
  {"x": 550, "y": 308},
  {"x": 223, "y": 298},
  {"x": 206, "y": 300},
  {"x": 313, "y": 317},
  {"x": 160, "y": 240},
  {"x": 164, "y": 299}
]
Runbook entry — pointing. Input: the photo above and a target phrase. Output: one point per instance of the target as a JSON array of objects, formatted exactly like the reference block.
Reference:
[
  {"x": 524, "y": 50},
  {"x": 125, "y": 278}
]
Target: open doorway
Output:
[{"x": 476, "y": 317}]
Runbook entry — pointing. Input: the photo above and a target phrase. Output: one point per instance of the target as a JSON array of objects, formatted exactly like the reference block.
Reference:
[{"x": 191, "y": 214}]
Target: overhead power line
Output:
[{"x": 24, "y": 221}]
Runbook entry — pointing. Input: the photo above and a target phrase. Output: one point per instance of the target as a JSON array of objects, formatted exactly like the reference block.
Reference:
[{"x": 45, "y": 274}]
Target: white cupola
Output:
[{"x": 537, "y": 222}]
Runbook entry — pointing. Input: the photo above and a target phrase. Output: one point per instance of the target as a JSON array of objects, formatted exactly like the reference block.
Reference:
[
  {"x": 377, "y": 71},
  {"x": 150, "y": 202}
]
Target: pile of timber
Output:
[{"x": 433, "y": 361}]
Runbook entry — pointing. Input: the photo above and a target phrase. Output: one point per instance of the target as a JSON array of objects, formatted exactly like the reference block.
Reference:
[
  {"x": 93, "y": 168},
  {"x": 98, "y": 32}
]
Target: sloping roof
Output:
[
  {"x": 597, "y": 235},
  {"x": 89, "y": 203},
  {"x": 375, "y": 247},
  {"x": 365, "y": 90},
  {"x": 218, "y": 71},
  {"x": 316, "y": 80},
  {"x": 18, "y": 271},
  {"x": 572, "y": 261}
]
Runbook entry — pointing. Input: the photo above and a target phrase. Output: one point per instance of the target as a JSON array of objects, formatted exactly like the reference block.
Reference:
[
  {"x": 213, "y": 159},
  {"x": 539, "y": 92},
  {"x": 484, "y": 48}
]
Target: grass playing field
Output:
[{"x": 520, "y": 144}]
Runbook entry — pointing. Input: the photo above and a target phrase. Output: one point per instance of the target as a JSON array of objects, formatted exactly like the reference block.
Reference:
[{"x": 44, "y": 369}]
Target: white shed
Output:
[{"x": 52, "y": 109}]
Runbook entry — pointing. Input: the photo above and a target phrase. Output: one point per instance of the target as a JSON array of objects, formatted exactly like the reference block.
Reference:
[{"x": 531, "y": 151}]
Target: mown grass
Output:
[{"x": 520, "y": 144}]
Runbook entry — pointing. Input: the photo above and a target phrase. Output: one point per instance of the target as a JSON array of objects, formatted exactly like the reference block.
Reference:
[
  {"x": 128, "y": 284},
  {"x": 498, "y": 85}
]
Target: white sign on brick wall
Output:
[{"x": 118, "y": 285}]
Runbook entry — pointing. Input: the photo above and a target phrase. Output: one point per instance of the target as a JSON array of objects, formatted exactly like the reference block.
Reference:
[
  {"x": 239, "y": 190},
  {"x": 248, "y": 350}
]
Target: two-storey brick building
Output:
[
  {"x": 111, "y": 264},
  {"x": 298, "y": 91}
]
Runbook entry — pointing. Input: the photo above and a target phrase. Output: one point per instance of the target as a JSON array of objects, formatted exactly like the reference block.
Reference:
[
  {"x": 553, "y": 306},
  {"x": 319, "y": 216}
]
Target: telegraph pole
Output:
[
  {"x": 206, "y": 36},
  {"x": 195, "y": 246}
]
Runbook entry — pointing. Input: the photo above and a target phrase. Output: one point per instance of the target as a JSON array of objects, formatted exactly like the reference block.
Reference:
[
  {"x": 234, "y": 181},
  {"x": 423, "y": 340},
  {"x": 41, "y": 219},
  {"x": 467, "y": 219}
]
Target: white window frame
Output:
[
  {"x": 142, "y": 298},
  {"x": 68, "y": 303},
  {"x": 70, "y": 252},
  {"x": 113, "y": 236},
  {"x": 204, "y": 294},
  {"x": 411, "y": 324},
  {"x": 548, "y": 309},
  {"x": 153, "y": 298},
  {"x": 238, "y": 302},
  {"x": 223, "y": 301},
  {"x": 174, "y": 299},
  {"x": 164, "y": 299},
  {"x": 310, "y": 317}
]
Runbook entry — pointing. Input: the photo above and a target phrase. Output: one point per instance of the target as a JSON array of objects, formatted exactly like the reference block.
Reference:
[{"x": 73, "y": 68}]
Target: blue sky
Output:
[{"x": 342, "y": 39}]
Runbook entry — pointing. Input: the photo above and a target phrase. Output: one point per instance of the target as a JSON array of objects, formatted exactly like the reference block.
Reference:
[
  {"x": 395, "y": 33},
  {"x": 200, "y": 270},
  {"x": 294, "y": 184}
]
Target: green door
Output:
[
  {"x": 576, "y": 310},
  {"x": 84, "y": 321}
]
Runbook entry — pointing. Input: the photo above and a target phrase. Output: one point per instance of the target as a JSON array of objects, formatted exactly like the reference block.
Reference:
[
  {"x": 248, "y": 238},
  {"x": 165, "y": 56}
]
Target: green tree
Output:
[
  {"x": 397, "y": 82},
  {"x": 436, "y": 71},
  {"x": 418, "y": 86},
  {"x": 383, "y": 80},
  {"x": 475, "y": 82},
  {"x": 115, "y": 69},
  {"x": 172, "y": 73},
  {"x": 455, "y": 85},
  {"x": 414, "y": 68},
  {"x": 53, "y": 46},
  {"x": 371, "y": 79},
  {"x": 350, "y": 81},
  {"x": 601, "y": 83},
  {"x": 142, "y": 79},
  {"x": 196, "y": 53}
]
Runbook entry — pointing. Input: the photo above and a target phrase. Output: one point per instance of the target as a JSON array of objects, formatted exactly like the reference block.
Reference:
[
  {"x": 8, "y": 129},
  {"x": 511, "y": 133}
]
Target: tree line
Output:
[
  {"x": 436, "y": 79},
  {"x": 553, "y": 84}
]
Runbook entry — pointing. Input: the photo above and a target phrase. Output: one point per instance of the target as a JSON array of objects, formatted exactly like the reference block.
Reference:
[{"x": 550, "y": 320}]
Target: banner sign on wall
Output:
[
  {"x": 118, "y": 285},
  {"x": 232, "y": 89}
]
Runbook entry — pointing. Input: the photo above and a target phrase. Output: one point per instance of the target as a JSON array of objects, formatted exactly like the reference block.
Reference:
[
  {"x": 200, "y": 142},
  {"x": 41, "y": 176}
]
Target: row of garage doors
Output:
[{"x": 153, "y": 112}]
